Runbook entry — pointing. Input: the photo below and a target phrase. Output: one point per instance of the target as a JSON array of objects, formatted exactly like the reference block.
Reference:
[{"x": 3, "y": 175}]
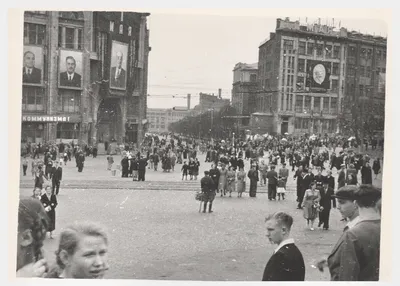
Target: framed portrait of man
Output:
[
  {"x": 70, "y": 69},
  {"x": 118, "y": 66},
  {"x": 32, "y": 70}
]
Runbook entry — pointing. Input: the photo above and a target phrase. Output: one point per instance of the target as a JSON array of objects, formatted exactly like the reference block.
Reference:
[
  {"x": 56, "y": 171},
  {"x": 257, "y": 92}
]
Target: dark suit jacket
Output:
[
  {"x": 306, "y": 182},
  {"x": 355, "y": 256},
  {"x": 327, "y": 199},
  {"x": 331, "y": 182},
  {"x": 75, "y": 82},
  {"x": 119, "y": 82},
  {"x": 34, "y": 77},
  {"x": 57, "y": 174},
  {"x": 285, "y": 265}
]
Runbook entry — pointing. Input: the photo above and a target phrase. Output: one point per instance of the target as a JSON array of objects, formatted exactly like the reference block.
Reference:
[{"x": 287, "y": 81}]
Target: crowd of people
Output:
[{"x": 310, "y": 159}]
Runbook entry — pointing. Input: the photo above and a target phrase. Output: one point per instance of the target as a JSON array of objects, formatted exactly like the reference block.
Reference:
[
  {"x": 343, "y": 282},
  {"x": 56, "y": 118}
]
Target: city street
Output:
[{"x": 156, "y": 231}]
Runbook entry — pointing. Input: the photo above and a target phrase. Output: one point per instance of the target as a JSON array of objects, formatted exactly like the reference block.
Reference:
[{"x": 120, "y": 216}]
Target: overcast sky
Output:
[{"x": 197, "y": 53}]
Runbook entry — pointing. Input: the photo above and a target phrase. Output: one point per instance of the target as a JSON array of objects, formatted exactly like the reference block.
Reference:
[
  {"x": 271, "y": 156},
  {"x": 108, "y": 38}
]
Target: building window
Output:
[
  {"x": 67, "y": 130},
  {"x": 297, "y": 123},
  {"x": 361, "y": 88},
  {"x": 70, "y": 38},
  {"x": 34, "y": 34},
  {"x": 352, "y": 52},
  {"x": 362, "y": 70},
  {"x": 300, "y": 83},
  {"x": 369, "y": 53},
  {"x": 368, "y": 71},
  {"x": 32, "y": 98},
  {"x": 69, "y": 101},
  {"x": 253, "y": 77},
  {"x": 72, "y": 15},
  {"x": 307, "y": 103},
  {"x": 310, "y": 48},
  {"x": 288, "y": 44},
  {"x": 335, "y": 85},
  {"x": 336, "y": 52},
  {"x": 335, "y": 68},
  {"x": 320, "y": 49},
  {"x": 325, "y": 104},
  {"x": 333, "y": 105},
  {"x": 351, "y": 70},
  {"x": 111, "y": 26},
  {"x": 305, "y": 123},
  {"x": 301, "y": 65},
  {"x": 102, "y": 47},
  {"x": 299, "y": 103},
  {"x": 302, "y": 48},
  {"x": 121, "y": 29},
  {"x": 328, "y": 51},
  {"x": 317, "y": 104}
]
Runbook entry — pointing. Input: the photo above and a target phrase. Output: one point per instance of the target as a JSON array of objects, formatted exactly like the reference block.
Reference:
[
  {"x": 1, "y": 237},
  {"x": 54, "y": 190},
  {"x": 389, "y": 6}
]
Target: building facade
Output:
[
  {"x": 84, "y": 76},
  {"x": 244, "y": 88},
  {"x": 303, "y": 77},
  {"x": 209, "y": 102},
  {"x": 160, "y": 118}
]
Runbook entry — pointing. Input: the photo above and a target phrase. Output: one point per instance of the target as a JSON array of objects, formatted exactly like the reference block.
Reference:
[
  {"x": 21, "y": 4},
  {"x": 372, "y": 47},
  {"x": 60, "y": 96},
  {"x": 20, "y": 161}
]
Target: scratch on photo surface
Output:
[{"x": 124, "y": 201}]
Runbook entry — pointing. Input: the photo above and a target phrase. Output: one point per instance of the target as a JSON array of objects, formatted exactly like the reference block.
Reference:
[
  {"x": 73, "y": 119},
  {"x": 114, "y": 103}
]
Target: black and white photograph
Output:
[
  {"x": 32, "y": 71},
  {"x": 70, "y": 69},
  {"x": 118, "y": 71},
  {"x": 189, "y": 145}
]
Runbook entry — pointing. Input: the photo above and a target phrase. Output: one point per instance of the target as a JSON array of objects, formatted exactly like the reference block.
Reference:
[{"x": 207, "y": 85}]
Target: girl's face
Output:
[
  {"x": 37, "y": 192},
  {"x": 48, "y": 191},
  {"x": 89, "y": 260}
]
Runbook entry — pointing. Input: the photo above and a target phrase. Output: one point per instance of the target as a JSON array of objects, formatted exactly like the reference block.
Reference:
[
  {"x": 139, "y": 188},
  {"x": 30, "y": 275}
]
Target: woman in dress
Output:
[
  {"x": 82, "y": 253},
  {"x": 49, "y": 202},
  {"x": 196, "y": 168},
  {"x": 231, "y": 177},
  {"x": 191, "y": 168},
  {"x": 311, "y": 198},
  {"x": 222, "y": 182},
  {"x": 376, "y": 166},
  {"x": 241, "y": 182}
]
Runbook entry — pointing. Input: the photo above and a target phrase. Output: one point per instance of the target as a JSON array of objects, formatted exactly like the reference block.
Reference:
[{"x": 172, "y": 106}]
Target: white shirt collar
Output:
[
  {"x": 283, "y": 243},
  {"x": 28, "y": 70},
  {"x": 71, "y": 75},
  {"x": 353, "y": 222}
]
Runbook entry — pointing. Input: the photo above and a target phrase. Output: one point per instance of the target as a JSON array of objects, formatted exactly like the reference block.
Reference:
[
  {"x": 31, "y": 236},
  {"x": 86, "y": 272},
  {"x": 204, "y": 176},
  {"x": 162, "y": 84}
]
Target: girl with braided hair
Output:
[
  {"x": 32, "y": 227},
  {"x": 82, "y": 252}
]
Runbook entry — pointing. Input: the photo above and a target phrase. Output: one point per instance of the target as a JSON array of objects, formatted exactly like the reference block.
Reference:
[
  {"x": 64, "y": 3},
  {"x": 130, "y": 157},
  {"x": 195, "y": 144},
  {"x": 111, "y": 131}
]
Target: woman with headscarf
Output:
[{"x": 50, "y": 203}]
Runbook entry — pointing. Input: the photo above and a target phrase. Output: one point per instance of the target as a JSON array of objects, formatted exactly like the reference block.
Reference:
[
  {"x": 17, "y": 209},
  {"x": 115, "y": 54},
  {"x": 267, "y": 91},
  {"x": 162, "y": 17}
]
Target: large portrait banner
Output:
[
  {"x": 118, "y": 66},
  {"x": 32, "y": 70},
  {"x": 318, "y": 75},
  {"x": 70, "y": 69}
]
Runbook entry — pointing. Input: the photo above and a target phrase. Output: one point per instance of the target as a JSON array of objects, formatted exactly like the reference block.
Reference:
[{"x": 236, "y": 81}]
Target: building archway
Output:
[{"x": 109, "y": 121}]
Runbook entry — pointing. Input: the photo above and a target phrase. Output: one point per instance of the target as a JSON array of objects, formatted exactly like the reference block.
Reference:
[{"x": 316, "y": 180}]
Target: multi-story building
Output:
[
  {"x": 302, "y": 77},
  {"x": 160, "y": 118},
  {"x": 244, "y": 90},
  {"x": 210, "y": 102},
  {"x": 85, "y": 76}
]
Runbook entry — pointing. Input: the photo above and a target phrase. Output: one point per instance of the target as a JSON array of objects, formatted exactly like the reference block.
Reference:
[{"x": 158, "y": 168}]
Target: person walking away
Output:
[
  {"x": 263, "y": 168},
  {"x": 287, "y": 262},
  {"x": 134, "y": 167},
  {"x": 326, "y": 202},
  {"x": 110, "y": 161},
  {"x": 272, "y": 177},
  {"x": 312, "y": 197},
  {"x": 125, "y": 166},
  {"x": 231, "y": 178},
  {"x": 366, "y": 174},
  {"x": 24, "y": 165},
  {"x": 56, "y": 179},
  {"x": 214, "y": 174},
  {"x": 142, "y": 168},
  {"x": 185, "y": 168},
  {"x": 253, "y": 176},
  {"x": 80, "y": 160},
  {"x": 94, "y": 152},
  {"x": 281, "y": 188},
  {"x": 241, "y": 182},
  {"x": 299, "y": 175},
  {"x": 376, "y": 166},
  {"x": 330, "y": 180},
  {"x": 208, "y": 190},
  {"x": 284, "y": 173},
  {"x": 156, "y": 160},
  {"x": 49, "y": 201}
]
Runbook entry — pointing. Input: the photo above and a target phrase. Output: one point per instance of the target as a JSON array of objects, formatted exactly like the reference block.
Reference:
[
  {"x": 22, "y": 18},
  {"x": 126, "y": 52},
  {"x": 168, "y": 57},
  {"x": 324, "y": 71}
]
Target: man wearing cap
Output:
[
  {"x": 326, "y": 202},
  {"x": 272, "y": 177},
  {"x": 208, "y": 190},
  {"x": 284, "y": 173}
]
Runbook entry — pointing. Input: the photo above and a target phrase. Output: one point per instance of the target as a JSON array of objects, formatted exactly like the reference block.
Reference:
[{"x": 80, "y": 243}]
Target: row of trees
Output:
[{"x": 209, "y": 124}]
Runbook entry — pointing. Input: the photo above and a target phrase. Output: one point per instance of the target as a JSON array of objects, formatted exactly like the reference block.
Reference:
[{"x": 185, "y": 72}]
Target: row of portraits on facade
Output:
[{"x": 71, "y": 67}]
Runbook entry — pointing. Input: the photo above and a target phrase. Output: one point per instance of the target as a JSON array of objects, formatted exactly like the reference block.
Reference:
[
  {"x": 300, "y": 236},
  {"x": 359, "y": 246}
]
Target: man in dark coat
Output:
[
  {"x": 272, "y": 177},
  {"x": 305, "y": 184},
  {"x": 70, "y": 78},
  {"x": 342, "y": 177},
  {"x": 366, "y": 174},
  {"x": 79, "y": 161},
  {"x": 299, "y": 176},
  {"x": 326, "y": 202},
  {"x": 56, "y": 178},
  {"x": 30, "y": 73},
  {"x": 125, "y": 166},
  {"x": 329, "y": 179},
  {"x": 214, "y": 174},
  {"x": 142, "y": 163},
  {"x": 208, "y": 190},
  {"x": 287, "y": 263}
]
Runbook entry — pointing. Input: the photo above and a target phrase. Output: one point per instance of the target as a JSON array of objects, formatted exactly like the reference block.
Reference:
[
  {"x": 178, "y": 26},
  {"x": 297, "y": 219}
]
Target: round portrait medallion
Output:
[{"x": 319, "y": 73}]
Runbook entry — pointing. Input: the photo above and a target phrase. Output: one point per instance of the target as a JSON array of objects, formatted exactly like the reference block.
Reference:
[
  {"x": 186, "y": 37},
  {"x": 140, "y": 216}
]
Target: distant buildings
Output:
[
  {"x": 210, "y": 102},
  {"x": 311, "y": 77},
  {"x": 160, "y": 118}
]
